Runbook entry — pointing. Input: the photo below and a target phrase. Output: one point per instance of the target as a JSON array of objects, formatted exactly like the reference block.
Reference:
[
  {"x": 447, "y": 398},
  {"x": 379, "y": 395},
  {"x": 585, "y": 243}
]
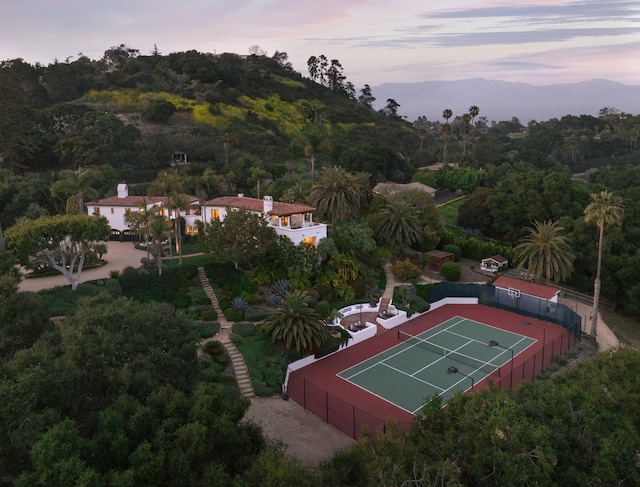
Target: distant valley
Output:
[{"x": 501, "y": 100}]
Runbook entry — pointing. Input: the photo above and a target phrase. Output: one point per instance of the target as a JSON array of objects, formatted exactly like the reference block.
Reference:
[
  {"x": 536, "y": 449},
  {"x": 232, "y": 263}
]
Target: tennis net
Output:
[{"x": 478, "y": 364}]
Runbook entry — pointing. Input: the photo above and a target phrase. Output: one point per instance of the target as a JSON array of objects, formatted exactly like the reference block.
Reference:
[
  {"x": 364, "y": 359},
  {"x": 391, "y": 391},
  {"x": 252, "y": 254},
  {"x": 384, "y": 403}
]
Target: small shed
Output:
[
  {"x": 437, "y": 258},
  {"x": 495, "y": 263}
]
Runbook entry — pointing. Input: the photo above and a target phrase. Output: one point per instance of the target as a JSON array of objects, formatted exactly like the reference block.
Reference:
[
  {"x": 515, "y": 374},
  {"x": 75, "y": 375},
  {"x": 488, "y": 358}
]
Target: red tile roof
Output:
[
  {"x": 526, "y": 287},
  {"x": 257, "y": 205}
]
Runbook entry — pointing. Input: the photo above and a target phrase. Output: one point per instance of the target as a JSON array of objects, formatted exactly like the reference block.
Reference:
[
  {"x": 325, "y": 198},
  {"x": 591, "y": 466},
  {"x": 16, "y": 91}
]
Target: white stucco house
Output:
[
  {"x": 292, "y": 220},
  {"x": 115, "y": 208}
]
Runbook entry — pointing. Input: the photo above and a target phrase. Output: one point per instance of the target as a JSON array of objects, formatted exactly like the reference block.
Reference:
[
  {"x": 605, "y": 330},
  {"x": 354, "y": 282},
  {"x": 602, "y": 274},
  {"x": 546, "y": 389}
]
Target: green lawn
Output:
[{"x": 449, "y": 212}]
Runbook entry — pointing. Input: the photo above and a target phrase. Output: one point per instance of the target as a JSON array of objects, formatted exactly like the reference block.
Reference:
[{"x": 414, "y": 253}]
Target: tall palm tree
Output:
[
  {"x": 363, "y": 189},
  {"x": 474, "y": 111},
  {"x": 336, "y": 195},
  {"x": 76, "y": 186},
  {"x": 296, "y": 324},
  {"x": 165, "y": 184},
  {"x": 178, "y": 202},
  {"x": 465, "y": 129},
  {"x": 160, "y": 229},
  {"x": 545, "y": 251},
  {"x": 314, "y": 140},
  {"x": 399, "y": 223},
  {"x": 604, "y": 210},
  {"x": 445, "y": 129},
  {"x": 140, "y": 220}
]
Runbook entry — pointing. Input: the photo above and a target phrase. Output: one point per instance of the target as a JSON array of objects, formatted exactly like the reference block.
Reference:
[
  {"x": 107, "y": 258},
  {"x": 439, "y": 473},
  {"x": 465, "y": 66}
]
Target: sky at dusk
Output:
[{"x": 376, "y": 41}]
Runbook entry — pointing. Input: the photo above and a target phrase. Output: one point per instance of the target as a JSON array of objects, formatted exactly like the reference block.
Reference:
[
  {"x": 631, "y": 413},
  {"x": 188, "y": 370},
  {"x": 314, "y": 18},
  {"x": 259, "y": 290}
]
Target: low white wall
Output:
[
  {"x": 446, "y": 301},
  {"x": 359, "y": 336},
  {"x": 399, "y": 318}
]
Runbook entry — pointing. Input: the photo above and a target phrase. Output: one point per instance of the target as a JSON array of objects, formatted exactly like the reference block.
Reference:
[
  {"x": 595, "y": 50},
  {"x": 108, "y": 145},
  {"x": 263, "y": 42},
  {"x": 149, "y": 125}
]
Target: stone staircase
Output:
[{"x": 224, "y": 336}]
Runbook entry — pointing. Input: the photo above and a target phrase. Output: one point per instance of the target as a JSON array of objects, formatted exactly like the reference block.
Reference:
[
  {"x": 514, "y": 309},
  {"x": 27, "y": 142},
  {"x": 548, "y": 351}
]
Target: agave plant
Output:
[
  {"x": 240, "y": 304},
  {"x": 280, "y": 287}
]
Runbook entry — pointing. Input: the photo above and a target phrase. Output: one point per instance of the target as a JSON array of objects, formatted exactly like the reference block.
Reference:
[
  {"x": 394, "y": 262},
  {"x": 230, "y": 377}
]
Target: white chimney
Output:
[
  {"x": 123, "y": 190},
  {"x": 268, "y": 204}
]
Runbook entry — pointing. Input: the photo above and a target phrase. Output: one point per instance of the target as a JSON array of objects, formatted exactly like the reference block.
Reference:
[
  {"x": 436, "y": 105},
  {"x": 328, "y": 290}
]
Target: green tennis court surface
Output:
[{"x": 443, "y": 360}]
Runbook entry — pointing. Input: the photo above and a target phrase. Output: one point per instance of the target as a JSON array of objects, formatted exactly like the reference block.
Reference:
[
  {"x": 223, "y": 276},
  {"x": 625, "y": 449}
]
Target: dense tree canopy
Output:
[{"x": 240, "y": 238}]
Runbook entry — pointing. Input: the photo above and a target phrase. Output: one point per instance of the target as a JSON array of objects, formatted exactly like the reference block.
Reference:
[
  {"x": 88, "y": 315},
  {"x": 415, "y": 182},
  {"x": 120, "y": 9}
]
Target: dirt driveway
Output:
[{"x": 305, "y": 437}]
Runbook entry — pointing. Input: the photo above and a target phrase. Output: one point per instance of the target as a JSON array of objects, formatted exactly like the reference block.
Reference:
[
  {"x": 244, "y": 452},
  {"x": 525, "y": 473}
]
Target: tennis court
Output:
[{"x": 453, "y": 356}]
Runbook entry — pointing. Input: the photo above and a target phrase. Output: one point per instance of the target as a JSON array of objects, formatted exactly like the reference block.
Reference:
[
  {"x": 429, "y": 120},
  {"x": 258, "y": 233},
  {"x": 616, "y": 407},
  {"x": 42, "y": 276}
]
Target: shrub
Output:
[
  {"x": 323, "y": 309},
  {"x": 217, "y": 352},
  {"x": 208, "y": 315},
  {"x": 405, "y": 270},
  {"x": 207, "y": 329},
  {"x": 233, "y": 314},
  {"x": 450, "y": 271},
  {"x": 455, "y": 250}
]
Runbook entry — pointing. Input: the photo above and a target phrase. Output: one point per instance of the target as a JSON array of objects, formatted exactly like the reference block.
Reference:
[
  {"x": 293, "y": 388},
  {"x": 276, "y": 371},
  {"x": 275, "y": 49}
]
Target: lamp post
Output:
[
  {"x": 494, "y": 343},
  {"x": 454, "y": 370},
  {"x": 544, "y": 337}
]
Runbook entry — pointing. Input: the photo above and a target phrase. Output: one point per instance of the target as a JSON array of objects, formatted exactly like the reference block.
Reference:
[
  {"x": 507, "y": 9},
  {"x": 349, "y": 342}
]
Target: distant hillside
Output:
[{"x": 500, "y": 100}]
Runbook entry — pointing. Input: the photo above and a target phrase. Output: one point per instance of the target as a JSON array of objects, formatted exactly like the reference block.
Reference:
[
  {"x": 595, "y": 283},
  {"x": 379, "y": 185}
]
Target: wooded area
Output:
[{"x": 115, "y": 393}]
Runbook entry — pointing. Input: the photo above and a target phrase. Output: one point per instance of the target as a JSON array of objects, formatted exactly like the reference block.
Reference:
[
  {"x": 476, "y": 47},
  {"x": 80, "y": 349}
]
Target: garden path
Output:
[{"x": 224, "y": 336}]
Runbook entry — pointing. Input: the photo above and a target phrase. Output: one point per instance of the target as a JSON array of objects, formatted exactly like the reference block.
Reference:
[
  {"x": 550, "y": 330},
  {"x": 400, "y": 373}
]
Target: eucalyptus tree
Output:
[
  {"x": 545, "y": 251},
  {"x": 605, "y": 210}
]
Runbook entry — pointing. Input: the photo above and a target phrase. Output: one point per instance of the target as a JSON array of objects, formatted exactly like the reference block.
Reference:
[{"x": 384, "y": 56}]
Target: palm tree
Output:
[
  {"x": 604, "y": 210},
  {"x": 474, "y": 111},
  {"x": 177, "y": 202},
  {"x": 226, "y": 140},
  {"x": 336, "y": 195},
  {"x": 465, "y": 129},
  {"x": 545, "y": 251},
  {"x": 399, "y": 223},
  {"x": 314, "y": 140},
  {"x": 363, "y": 189},
  {"x": 166, "y": 183},
  {"x": 446, "y": 130},
  {"x": 160, "y": 229},
  {"x": 76, "y": 186},
  {"x": 296, "y": 324},
  {"x": 140, "y": 220}
]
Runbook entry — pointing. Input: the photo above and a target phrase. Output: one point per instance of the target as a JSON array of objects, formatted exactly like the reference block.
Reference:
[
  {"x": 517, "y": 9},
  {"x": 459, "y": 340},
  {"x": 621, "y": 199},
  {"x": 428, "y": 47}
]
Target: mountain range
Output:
[{"x": 502, "y": 100}]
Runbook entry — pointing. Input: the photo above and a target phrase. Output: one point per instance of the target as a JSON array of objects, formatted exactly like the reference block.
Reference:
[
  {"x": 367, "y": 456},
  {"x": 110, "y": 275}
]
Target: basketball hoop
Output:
[{"x": 513, "y": 293}]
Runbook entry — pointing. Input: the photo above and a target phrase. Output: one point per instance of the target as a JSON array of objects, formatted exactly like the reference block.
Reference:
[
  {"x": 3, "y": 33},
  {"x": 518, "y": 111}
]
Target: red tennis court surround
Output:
[{"x": 351, "y": 409}]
